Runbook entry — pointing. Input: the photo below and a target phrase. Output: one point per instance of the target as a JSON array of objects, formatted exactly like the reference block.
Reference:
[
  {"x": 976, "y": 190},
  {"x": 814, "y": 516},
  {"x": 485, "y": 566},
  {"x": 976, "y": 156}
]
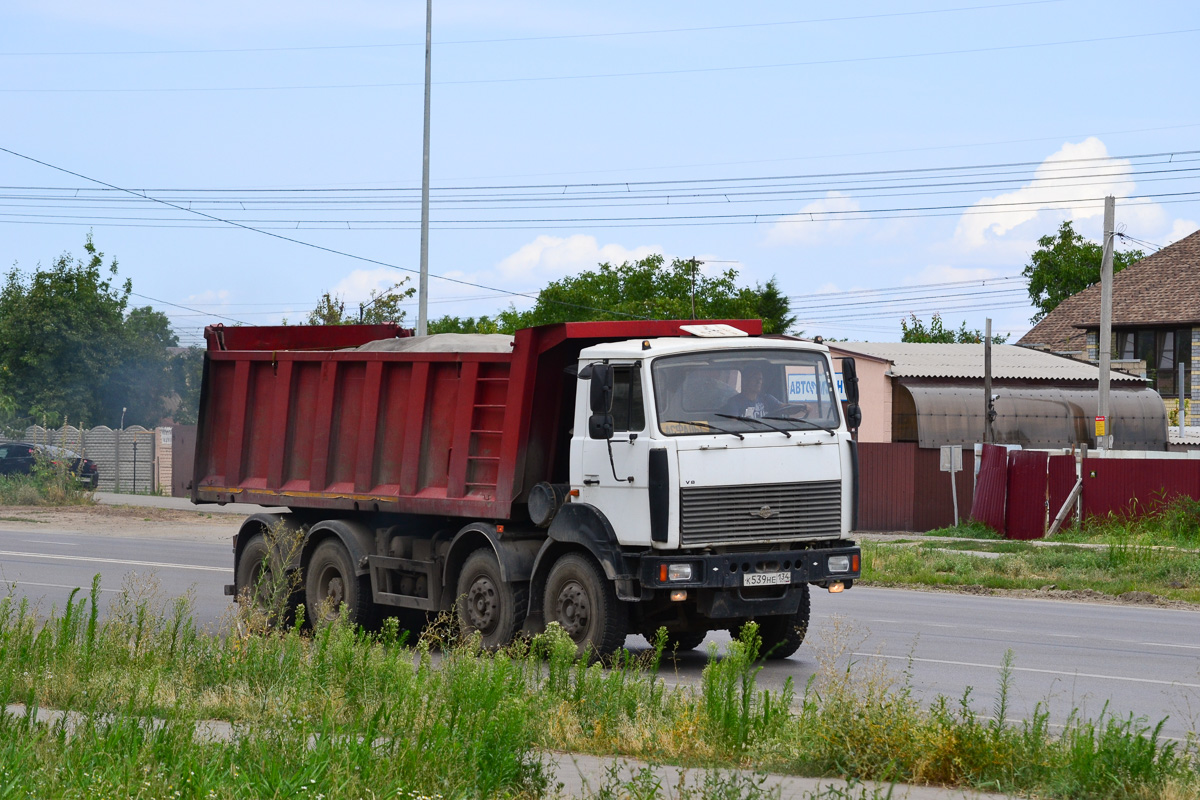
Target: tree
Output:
[
  {"x": 186, "y": 369},
  {"x": 1066, "y": 264},
  {"x": 449, "y": 324},
  {"x": 916, "y": 331},
  {"x": 70, "y": 352},
  {"x": 653, "y": 290},
  {"x": 383, "y": 306}
]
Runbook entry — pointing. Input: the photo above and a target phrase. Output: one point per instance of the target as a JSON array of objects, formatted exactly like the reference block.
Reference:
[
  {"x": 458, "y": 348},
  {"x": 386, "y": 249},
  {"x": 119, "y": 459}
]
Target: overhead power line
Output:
[
  {"x": 742, "y": 195},
  {"x": 330, "y": 250},
  {"x": 1058, "y": 165},
  {"x": 611, "y": 75},
  {"x": 555, "y": 37}
]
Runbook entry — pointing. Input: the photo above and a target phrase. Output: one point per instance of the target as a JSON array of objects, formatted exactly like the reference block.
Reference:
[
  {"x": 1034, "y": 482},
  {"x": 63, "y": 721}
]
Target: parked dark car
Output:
[{"x": 19, "y": 457}]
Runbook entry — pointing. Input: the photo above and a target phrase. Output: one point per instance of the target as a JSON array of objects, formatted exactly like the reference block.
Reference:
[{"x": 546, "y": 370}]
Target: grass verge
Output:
[
  {"x": 343, "y": 713},
  {"x": 49, "y": 484},
  {"x": 1150, "y": 555}
]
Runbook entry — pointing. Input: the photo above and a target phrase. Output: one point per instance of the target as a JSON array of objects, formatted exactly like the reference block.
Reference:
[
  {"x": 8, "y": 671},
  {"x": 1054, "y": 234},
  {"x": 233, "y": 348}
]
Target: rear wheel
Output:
[
  {"x": 330, "y": 583},
  {"x": 254, "y": 577},
  {"x": 584, "y": 602},
  {"x": 486, "y": 603},
  {"x": 782, "y": 635}
]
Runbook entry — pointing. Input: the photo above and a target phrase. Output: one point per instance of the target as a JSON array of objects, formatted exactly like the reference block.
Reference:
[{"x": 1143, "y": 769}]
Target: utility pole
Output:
[
  {"x": 693, "y": 287},
  {"x": 989, "y": 412},
  {"x": 423, "y": 289},
  {"x": 1103, "y": 417}
]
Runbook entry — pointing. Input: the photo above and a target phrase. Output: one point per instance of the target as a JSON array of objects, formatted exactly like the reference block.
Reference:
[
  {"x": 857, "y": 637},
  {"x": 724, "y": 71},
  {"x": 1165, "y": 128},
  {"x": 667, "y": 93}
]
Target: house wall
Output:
[
  {"x": 1193, "y": 418},
  {"x": 874, "y": 396}
]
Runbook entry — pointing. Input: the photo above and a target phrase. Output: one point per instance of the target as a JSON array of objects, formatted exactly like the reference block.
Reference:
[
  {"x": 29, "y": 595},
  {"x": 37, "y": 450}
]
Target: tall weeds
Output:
[{"x": 340, "y": 712}]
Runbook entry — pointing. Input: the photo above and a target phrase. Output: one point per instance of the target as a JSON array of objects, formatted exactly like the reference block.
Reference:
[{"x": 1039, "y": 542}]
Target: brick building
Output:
[{"x": 1155, "y": 320}]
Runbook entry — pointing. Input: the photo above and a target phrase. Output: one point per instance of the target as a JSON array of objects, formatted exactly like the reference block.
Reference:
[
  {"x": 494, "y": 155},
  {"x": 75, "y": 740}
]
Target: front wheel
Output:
[
  {"x": 486, "y": 603},
  {"x": 581, "y": 600},
  {"x": 782, "y": 635},
  {"x": 331, "y": 583}
]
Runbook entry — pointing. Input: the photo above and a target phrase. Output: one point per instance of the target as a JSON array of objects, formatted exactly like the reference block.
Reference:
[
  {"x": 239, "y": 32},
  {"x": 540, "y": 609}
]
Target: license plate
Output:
[{"x": 766, "y": 579}]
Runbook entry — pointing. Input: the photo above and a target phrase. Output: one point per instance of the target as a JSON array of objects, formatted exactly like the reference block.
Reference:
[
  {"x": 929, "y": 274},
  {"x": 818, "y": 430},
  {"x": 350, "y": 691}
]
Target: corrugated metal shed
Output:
[{"x": 1009, "y": 362}]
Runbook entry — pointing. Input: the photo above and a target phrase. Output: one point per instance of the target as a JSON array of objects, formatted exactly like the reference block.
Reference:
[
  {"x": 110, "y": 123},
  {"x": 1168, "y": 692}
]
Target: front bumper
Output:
[
  {"x": 731, "y": 570},
  {"x": 719, "y": 589}
]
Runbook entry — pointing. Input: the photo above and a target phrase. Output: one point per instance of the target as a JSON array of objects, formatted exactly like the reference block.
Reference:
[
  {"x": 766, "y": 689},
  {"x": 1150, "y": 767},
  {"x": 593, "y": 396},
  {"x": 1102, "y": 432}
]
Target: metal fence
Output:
[{"x": 133, "y": 460}]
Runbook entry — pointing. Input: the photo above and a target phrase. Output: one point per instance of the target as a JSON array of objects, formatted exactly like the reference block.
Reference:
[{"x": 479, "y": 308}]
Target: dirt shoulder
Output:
[{"x": 126, "y": 521}]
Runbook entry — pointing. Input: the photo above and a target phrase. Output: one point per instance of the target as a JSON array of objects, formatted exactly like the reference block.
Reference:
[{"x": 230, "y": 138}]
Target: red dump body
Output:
[{"x": 289, "y": 417}]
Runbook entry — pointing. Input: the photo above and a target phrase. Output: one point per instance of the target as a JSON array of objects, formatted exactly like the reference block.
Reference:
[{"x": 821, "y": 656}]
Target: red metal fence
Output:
[
  {"x": 1133, "y": 486},
  {"x": 902, "y": 487}
]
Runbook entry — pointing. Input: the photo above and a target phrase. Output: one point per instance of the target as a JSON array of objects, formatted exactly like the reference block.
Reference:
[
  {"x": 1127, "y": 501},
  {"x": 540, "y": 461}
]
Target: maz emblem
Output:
[{"x": 766, "y": 512}]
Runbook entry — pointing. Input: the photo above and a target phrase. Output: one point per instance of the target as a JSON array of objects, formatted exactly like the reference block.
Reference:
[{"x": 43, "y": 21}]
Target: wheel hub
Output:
[
  {"x": 574, "y": 610},
  {"x": 334, "y": 593},
  {"x": 482, "y": 605}
]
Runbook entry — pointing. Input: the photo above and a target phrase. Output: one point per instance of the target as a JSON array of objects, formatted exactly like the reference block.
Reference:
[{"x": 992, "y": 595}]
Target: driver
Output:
[{"x": 752, "y": 401}]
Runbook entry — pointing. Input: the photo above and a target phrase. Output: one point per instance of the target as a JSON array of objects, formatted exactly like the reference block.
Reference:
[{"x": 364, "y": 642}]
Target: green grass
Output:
[
  {"x": 969, "y": 529},
  {"x": 48, "y": 484},
  {"x": 1150, "y": 554},
  {"x": 1114, "y": 571},
  {"x": 342, "y": 713}
]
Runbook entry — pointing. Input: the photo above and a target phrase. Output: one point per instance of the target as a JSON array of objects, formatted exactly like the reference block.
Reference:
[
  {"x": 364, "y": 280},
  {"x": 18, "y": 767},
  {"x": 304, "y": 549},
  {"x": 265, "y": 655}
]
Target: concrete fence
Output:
[{"x": 133, "y": 460}]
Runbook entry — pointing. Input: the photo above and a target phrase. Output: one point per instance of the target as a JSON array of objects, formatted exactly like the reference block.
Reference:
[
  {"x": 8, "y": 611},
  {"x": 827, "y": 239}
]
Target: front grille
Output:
[{"x": 718, "y": 514}]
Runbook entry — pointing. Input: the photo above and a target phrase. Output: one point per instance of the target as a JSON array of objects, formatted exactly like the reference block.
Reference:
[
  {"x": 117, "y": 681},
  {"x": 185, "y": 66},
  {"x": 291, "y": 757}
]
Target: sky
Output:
[{"x": 878, "y": 159}]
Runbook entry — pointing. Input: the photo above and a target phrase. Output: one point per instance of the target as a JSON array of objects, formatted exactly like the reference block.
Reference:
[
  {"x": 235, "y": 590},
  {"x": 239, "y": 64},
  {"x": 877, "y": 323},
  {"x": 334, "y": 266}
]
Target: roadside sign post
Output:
[{"x": 951, "y": 461}]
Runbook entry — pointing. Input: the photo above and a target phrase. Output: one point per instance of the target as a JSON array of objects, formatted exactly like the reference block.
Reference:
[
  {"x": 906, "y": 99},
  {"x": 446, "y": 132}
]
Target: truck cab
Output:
[{"x": 724, "y": 467}]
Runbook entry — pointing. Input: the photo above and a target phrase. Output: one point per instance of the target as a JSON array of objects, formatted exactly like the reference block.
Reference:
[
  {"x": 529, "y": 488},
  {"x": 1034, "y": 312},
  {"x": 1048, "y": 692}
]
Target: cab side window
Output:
[{"x": 629, "y": 411}]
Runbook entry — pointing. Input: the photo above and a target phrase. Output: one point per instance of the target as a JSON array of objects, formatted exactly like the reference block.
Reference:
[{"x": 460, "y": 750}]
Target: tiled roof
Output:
[
  {"x": 1161, "y": 289},
  {"x": 1009, "y": 362}
]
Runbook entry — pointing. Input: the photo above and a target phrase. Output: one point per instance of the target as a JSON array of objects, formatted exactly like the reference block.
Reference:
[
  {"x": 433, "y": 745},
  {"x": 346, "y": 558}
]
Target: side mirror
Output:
[
  {"x": 600, "y": 426},
  {"x": 601, "y": 396},
  {"x": 850, "y": 380},
  {"x": 853, "y": 416}
]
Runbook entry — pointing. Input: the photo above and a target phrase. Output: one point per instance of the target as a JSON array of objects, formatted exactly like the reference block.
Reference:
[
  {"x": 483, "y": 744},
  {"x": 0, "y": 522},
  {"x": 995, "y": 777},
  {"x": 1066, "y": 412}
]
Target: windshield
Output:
[{"x": 744, "y": 392}]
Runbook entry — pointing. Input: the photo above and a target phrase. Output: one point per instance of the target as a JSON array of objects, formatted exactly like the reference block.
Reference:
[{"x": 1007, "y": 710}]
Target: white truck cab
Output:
[{"x": 726, "y": 469}]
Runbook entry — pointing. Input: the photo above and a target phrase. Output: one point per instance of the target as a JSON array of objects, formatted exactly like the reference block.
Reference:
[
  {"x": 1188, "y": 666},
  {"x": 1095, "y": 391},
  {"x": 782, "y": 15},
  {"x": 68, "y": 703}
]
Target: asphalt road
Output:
[{"x": 1066, "y": 656}]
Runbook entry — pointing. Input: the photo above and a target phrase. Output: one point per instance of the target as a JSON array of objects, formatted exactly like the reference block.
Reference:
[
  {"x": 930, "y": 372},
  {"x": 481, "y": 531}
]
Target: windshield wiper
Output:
[
  {"x": 755, "y": 419},
  {"x": 704, "y": 424},
  {"x": 806, "y": 422}
]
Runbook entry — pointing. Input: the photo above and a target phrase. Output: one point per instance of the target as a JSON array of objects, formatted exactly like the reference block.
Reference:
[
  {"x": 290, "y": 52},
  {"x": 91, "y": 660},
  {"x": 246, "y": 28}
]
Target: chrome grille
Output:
[{"x": 715, "y": 514}]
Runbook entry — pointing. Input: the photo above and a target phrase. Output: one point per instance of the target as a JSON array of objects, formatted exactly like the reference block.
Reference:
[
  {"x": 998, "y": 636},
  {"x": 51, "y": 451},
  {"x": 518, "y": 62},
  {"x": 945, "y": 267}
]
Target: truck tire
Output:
[
  {"x": 330, "y": 583},
  {"x": 254, "y": 576},
  {"x": 681, "y": 641},
  {"x": 782, "y": 635},
  {"x": 485, "y": 603},
  {"x": 581, "y": 600}
]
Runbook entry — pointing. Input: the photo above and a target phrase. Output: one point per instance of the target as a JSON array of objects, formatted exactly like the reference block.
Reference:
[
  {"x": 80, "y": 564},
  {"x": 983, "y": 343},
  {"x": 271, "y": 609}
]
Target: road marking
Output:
[
  {"x": 58, "y": 586},
  {"x": 998, "y": 667},
  {"x": 1163, "y": 644},
  {"x": 92, "y": 560},
  {"x": 47, "y": 541}
]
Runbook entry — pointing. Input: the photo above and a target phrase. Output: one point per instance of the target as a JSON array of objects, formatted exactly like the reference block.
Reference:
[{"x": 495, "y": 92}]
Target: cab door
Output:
[{"x": 619, "y": 486}]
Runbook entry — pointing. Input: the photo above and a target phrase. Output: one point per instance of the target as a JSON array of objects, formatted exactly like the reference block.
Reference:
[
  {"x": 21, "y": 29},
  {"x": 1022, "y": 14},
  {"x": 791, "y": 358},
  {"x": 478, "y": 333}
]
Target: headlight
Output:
[
  {"x": 679, "y": 572},
  {"x": 839, "y": 563}
]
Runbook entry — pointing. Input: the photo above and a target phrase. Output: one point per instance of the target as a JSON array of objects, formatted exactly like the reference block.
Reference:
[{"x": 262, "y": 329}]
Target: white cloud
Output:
[
  {"x": 819, "y": 220},
  {"x": 549, "y": 257},
  {"x": 1063, "y": 187},
  {"x": 1179, "y": 229},
  {"x": 941, "y": 273},
  {"x": 212, "y": 297},
  {"x": 356, "y": 287}
]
